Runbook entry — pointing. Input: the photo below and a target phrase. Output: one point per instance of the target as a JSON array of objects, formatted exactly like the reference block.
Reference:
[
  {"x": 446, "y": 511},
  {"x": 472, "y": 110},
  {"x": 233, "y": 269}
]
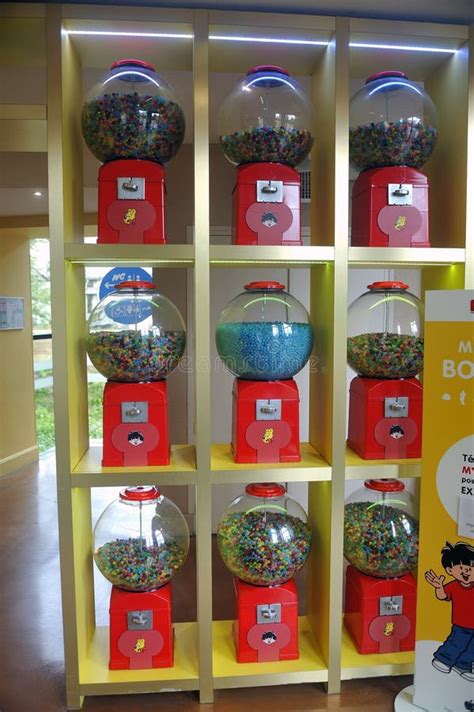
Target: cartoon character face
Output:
[
  {"x": 396, "y": 432},
  {"x": 269, "y": 638},
  {"x": 135, "y": 438},
  {"x": 269, "y": 220},
  {"x": 464, "y": 573}
]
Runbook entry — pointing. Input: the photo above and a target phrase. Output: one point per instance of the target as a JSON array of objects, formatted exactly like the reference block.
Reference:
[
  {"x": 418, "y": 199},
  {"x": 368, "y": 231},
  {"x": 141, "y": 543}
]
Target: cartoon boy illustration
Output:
[
  {"x": 457, "y": 652},
  {"x": 269, "y": 220},
  {"x": 135, "y": 438},
  {"x": 269, "y": 638},
  {"x": 396, "y": 432}
]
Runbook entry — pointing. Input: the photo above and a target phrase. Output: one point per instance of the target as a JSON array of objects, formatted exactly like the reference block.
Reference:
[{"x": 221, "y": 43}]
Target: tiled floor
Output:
[{"x": 31, "y": 653}]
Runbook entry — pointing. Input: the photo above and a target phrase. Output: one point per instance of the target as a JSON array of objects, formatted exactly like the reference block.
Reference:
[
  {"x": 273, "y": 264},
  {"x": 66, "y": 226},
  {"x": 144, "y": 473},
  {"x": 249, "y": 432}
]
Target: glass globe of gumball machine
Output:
[
  {"x": 264, "y": 338},
  {"x": 385, "y": 348},
  {"x": 265, "y": 128},
  {"x": 132, "y": 122},
  {"x": 264, "y": 540},
  {"x": 141, "y": 540},
  {"x": 393, "y": 132},
  {"x": 381, "y": 546},
  {"x": 136, "y": 338}
]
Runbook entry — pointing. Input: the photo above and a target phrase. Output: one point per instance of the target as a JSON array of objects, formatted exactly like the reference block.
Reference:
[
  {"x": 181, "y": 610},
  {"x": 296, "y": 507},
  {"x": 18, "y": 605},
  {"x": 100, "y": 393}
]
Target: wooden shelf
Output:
[
  {"x": 181, "y": 471},
  {"x": 144, "y": 255},
  {"x": 359, "y": 469},
  {"x": 406, "y": 256},
  {"x": 241, "y": 255},
  {"x": 310, "y": 666},
  {"x": 95, "y": 678},
  {"x": 311, "y": 468},
  {"x": 353, "y": 664}
]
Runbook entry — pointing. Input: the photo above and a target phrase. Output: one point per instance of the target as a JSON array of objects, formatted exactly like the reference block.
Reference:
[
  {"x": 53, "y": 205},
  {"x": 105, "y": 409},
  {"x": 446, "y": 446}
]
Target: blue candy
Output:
[{"x": 264, "y": 351}]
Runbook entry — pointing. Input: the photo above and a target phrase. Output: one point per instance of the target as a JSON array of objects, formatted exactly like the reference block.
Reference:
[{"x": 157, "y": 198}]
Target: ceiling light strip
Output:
[
  {"x": 104, "y": 33},
  {"x": 401, "y": 48},
  {"x": 261, "y": 40},
  {"x": 269, "y": 40}
]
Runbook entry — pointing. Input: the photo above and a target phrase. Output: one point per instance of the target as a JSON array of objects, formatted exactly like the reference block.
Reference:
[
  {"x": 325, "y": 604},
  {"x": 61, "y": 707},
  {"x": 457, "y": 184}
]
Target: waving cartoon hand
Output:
[{"x": 437, "y": 583}]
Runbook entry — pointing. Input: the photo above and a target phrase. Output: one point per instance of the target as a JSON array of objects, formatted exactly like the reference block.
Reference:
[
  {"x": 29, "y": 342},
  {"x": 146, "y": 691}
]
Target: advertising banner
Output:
[{"x": 444, "y": 657}]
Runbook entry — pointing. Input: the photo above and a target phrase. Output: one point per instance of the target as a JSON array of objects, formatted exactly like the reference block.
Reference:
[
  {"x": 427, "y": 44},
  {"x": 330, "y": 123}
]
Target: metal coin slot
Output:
[
  {"x": 140, "y": 620},
  {"x": 268, "y": 409},
  {"x": 396, "y": 407},
  {"x": 269, "y": 613},
  {"x": 130, "y": 188},
  {"x": 269, "y": 191},
  {"x": 134, "y": 412},
  {"x": 400, "y": 194},
  {"x": 391, "y": 606}
]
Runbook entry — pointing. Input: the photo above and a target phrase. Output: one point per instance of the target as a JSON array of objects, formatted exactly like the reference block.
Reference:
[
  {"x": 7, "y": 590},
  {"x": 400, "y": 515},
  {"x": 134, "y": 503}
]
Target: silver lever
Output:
[
  {"x": 397, "y": 406},
  {"x": 133, "y": 411},
  {"x": 128, "y": 185},
  {"x": 401, "y": 192}
]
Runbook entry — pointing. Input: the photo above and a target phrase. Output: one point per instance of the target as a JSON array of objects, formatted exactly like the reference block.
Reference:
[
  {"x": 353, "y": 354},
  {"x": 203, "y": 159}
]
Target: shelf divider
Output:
[{"x": 202, "y": 339}]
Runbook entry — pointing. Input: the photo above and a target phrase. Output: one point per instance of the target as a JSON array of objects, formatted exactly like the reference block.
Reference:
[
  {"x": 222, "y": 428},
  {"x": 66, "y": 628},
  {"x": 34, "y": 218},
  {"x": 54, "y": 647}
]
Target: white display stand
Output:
[{"x": 404, "y": 701}]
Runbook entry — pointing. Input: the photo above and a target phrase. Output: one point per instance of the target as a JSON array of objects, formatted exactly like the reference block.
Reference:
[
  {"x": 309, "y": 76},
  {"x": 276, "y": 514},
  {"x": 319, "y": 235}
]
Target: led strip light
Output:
[{"x": 261, "y": 40}]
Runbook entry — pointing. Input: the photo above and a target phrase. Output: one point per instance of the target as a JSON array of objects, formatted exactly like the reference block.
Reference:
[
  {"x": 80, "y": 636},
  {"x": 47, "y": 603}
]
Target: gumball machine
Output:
[
  {"x": 264, "y": 338},
  {"x": 385, "y": 348},
  {"x": 136, "y": 338},
  {"x": 381, "y": 546},
  {"x": 132, "y": 122},
  {"x": 264, "y": 539},
  {"x": 392, "y": 134},
  {"x": 141, "y": 540},
  {"x": 265, "y": 130}
]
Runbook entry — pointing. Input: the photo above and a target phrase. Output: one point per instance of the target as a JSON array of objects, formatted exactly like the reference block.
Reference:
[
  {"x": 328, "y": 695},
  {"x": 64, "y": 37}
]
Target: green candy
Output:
[
  {"x": 381, "y": 355},
  {"x": 380, "y": 540}
]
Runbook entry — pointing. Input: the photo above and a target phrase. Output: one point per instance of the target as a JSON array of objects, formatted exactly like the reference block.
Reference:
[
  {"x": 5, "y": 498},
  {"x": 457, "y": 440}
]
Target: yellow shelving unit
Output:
[{"x": 204, "y": 653}]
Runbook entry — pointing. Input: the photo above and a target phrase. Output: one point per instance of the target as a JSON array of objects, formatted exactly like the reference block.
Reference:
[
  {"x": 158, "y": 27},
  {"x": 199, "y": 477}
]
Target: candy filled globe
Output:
[
  {"x": 141, "y": 540},
  {"x": 263, "y": 535},
  {"x": 266, "y": 118},
  {"x": 135, "y": 334},
  {"x": 132, "y": 113},
  {"x": 381, "y": 530},
  {"x": 264, "y": 333},
  {"x": 385, "y": 332},
  {"x": 393, "y": 122}
]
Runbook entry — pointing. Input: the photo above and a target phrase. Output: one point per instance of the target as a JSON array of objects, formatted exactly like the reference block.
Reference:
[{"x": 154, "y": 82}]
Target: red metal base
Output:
[
  {"x": 376, "y": 223},
  {"x": 274, "y": 639},
  {"x": 267, "y": 222},
  {"x": 374, "y": 436},
  {"x": 141, "y": 631},
  {"x": 372, "y": 632},
  {"x": 135, "y": 440},
  {"x": 137, "y": 215},
  {"x": 265, "y": 440}
]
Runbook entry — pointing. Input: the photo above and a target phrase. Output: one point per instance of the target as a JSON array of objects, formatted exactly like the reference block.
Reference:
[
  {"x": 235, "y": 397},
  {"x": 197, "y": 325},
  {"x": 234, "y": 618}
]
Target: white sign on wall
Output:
[{"x": 12, "y": 313}]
